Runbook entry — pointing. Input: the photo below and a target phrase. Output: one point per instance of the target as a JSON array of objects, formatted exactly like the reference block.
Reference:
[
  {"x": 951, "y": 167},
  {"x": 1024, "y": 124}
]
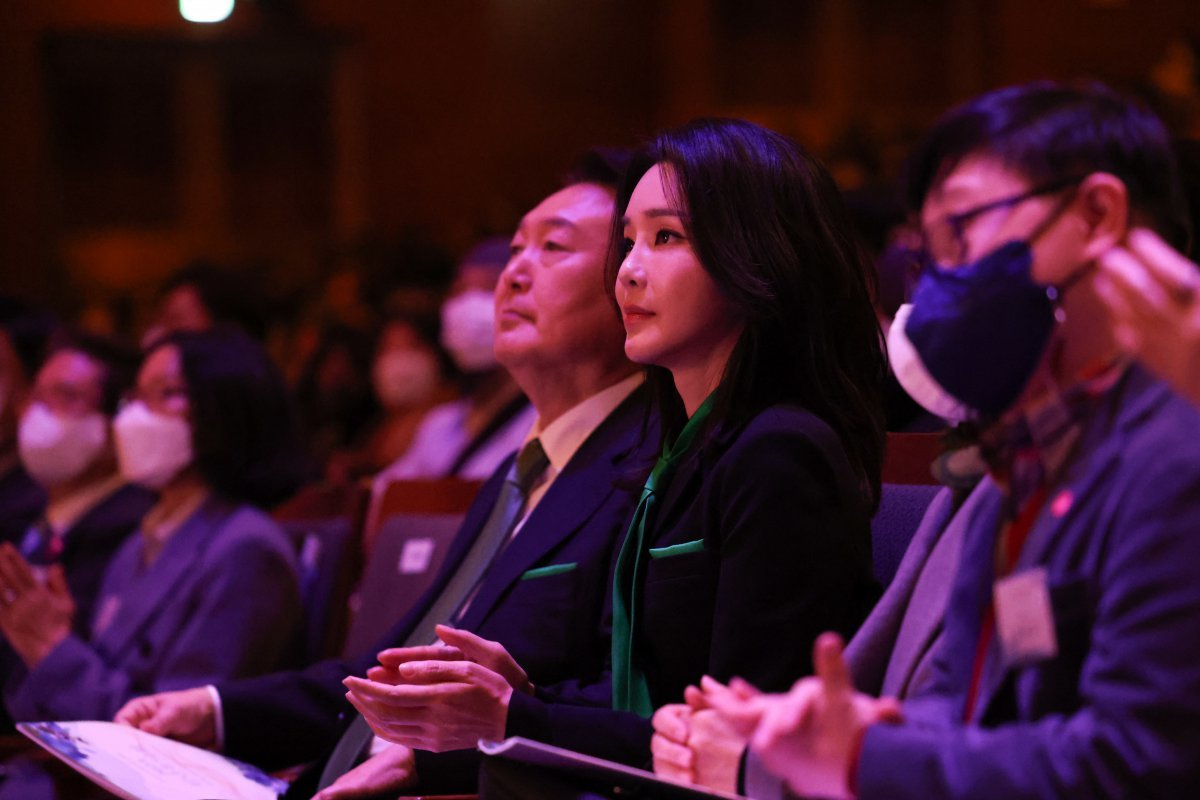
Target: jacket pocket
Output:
[
  {"x": 683, "y": 548},
  {"x": 545, "y": 572}
]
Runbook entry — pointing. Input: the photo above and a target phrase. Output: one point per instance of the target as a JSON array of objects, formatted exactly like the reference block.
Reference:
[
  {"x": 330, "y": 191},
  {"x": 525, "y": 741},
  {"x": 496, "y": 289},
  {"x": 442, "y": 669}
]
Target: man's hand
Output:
[
  {"x": 390, "y": 771},
  {"x": 810, "y": 736},
  {"x": 188, "y": 716},
  {"x": 35, "y": 615},
  {"x": 1153, "y": 296},
  {"x": 460, "y": 645},
  {"x": 436, "y": 706}
]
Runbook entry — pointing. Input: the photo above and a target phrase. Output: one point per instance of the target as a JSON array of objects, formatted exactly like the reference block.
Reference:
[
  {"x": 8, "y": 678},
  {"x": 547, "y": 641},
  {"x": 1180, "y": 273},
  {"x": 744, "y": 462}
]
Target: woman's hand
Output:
[{"x": 35, "y": 615}]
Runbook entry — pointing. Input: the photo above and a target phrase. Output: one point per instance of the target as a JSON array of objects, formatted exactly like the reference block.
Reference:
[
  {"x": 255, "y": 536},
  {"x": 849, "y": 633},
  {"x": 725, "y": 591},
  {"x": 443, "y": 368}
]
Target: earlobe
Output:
[{"x": 1105, "y": 208}]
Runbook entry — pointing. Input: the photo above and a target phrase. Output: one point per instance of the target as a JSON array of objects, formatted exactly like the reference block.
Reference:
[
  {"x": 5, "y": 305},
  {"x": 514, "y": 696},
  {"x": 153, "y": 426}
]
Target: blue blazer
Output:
[
  {"x": 761, "y": 531},
  {"x": 550, "y": 621},
  {"x": 1117, "y": 712},
  {"x": 221, "y": 600},
  {"x": 92, "y": 542}
]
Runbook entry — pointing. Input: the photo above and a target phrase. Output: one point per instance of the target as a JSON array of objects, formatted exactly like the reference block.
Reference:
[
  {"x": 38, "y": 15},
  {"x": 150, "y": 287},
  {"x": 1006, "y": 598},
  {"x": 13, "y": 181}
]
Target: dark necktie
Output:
[{"x": 529, "y": 465}]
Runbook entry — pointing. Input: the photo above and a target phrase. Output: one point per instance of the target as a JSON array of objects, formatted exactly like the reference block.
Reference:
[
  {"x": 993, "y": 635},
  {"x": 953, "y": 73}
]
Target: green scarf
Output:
[{"x": 630, "y": 691}]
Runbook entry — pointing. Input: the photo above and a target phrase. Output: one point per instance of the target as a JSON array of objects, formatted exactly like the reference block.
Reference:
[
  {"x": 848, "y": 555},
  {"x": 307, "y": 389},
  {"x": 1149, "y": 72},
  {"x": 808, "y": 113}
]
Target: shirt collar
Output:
[
  {"x": 62, "y": 514},
  {"x": 566, "y": 434}
]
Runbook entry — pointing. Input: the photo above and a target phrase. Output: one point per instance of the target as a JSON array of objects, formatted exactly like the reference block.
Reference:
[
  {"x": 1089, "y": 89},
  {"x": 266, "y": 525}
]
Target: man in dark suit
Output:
[
  {"x": 64, "y": 444},
  {"x": 543, "y": 595},
  {"x": 1068, "y": 665}
]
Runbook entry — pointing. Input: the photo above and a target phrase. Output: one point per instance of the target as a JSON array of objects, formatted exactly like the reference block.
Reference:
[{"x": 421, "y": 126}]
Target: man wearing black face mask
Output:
[{"x": 1069, "y": 664}]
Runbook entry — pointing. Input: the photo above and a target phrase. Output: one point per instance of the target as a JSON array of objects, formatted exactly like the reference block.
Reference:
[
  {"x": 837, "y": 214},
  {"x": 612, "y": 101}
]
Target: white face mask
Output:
[
  {"x": 56, "y": 450},
  {"x": 404, "y": 377},
  {"x": 151, "y": 448},
  {"x": 467, "y": 330}
]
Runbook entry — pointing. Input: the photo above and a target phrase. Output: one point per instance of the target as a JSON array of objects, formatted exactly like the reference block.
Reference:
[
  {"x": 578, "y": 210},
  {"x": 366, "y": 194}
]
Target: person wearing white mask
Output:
[
  {"x": 64, "y": 444},
  {"x": 408, "y": 376},
  {"x": 207, "y": 589},
  {"x": 469, "y": 437}
]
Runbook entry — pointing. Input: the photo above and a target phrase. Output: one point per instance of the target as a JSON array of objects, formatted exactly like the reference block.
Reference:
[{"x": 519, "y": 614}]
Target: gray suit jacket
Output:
[
  {"x": 220, "y": 601},
  {"x": 892, "y": 653},
  {"x": 1116, "y": 712}
]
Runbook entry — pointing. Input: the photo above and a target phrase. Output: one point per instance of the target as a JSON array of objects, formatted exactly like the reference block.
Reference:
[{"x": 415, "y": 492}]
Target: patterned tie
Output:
[
  {"x": 40, "y": 546},
  {"x": 529, "y": 465}
]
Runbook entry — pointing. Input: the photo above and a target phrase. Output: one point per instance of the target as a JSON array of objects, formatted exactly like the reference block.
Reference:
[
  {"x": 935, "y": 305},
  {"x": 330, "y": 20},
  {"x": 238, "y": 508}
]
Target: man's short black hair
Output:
[
  {"x": 118, "y": 361},
  {"x": 603, "y": 166},
  {"x": 1051, "y": 131}
]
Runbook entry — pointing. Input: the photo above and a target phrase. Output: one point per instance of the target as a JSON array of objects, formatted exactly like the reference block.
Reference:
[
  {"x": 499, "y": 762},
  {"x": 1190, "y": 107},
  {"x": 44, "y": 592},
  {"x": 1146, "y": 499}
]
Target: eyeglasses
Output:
[{"x": 944, "y": 240}]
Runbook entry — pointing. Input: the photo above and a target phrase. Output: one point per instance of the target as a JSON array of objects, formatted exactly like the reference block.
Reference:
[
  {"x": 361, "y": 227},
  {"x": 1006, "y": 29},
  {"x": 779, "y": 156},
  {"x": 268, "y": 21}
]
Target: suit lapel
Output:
[
  {"x": 145, "y": 590},
  {"x": 683, "y": 488},
  {"x": 926, "y": 606},
  {"x": 583, "y": 486},
  {"x": 1100, "y": 452}
]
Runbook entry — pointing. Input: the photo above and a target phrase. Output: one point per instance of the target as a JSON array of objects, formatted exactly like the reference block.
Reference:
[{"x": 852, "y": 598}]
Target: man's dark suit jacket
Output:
[
  {"x": 22, "y": 501},
  {"x": 762, "y": 542},
  {"x": 551, "y": 624},
  {"x": 88, "y": 546},
  {"x": 1117, "y": 712}
]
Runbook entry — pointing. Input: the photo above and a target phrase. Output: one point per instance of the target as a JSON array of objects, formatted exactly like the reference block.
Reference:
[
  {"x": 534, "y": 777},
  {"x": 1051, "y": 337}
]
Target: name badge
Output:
[
  {"x": 415, "y": 557},
  {"x": 1024, "y": 617}
]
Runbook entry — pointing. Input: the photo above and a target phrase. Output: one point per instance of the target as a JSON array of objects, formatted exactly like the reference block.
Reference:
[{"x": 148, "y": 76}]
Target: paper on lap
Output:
[{"x": 136, "y": 765}]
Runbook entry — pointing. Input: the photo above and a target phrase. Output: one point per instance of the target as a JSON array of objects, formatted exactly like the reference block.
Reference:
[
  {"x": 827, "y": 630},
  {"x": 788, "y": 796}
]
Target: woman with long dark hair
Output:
[{"x": 744, "y": 292}]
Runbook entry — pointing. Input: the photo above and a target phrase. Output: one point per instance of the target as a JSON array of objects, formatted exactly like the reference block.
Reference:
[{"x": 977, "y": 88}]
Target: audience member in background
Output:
[
  {"x": 541, "y": 590},
  {"x": 207, "y": 589},
  {"x": 1153, "y": 294},
  {"x": 408, "y": 377},
  {"x": 24, "y": 333},
  {"x": 333, "y": 394},
  {"x": 202, "y": 295},
  {"x": 66, "y": 445},
  {"x": 469, "y": 437},
  {"x": 743, "y": 289},
  {"x": 1069, "y": 665}
]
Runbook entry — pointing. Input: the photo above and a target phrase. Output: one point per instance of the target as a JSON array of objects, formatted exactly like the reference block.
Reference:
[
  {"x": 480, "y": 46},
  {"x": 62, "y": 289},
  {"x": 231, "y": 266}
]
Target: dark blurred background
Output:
[{"x": 300, "y": 140}]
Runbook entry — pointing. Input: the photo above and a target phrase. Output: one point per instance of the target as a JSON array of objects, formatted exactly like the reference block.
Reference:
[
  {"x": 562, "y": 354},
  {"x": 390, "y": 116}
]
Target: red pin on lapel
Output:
[{"x": 1062, "y": 503}]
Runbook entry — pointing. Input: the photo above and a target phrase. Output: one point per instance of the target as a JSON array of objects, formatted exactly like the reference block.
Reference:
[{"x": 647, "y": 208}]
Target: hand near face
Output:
[
  {"x": 810, "y": 735},
  {"x": 35, "y": 616},
  {"x": 390, "y": 771},
  {"x": 1153, "y": 295},
  {"x": 188, "y": 715},
  {"x": 433, "y": 705}
]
